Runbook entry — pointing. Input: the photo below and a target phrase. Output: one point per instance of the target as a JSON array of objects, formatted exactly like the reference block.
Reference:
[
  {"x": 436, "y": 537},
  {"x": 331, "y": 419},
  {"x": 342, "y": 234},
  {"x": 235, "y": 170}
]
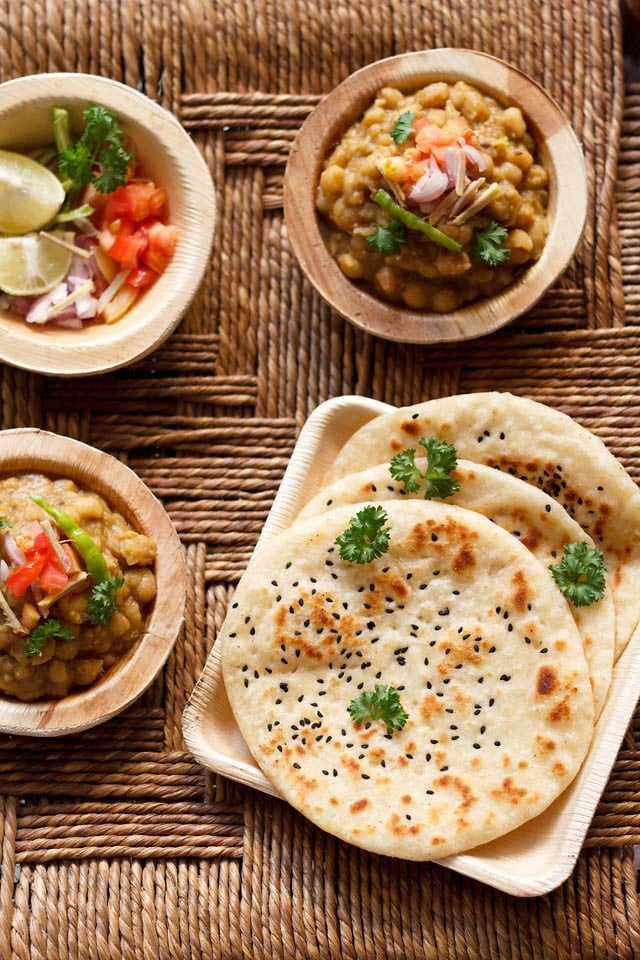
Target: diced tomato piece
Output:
[
  {"x": 128, "y": 250},
  {"x": 137, "y": 200},
  {"x": 162, "y": 244},
  {"x": 24, "y": 575},
  {"x": 52, "y": 578},
  {"x": 141, "y": 277}
]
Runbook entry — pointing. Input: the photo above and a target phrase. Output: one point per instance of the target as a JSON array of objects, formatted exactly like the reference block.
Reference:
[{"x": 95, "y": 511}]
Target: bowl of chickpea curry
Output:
[
  {"x": 92, "y": 584},
  {"x": 435, "y": 196}
]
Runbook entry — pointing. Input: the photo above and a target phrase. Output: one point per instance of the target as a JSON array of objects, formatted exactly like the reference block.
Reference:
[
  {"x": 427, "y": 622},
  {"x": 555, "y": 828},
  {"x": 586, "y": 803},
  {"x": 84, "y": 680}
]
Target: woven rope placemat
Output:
[{"x": 116, "y": 843}]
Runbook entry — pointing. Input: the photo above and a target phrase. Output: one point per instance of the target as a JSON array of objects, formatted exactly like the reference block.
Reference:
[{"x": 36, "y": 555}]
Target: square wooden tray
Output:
[{"x": 529, "y": 861}]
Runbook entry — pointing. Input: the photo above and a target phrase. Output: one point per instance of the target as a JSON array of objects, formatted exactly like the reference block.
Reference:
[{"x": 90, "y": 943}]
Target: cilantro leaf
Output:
[
  {"x": 98, "y": 156},
  {"x": 441, "y": 460},
  {"x": 5, "y": 523},
  {"x": 403, "y": 127},
  {"x": 580, "y": 574},
  {"x": 381, "y": 704},
  {"x": 488, "y": 244},
  {"x": 387, "y": 240},
  {"x": 103, "y": 600},
  {"x": 37, "y": 640},
  {"x": 366, "y": 537}
]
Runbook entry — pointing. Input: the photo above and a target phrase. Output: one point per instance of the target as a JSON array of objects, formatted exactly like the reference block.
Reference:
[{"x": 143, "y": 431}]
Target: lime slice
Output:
[
  {"x": 30, "y": 194},
  {"x": 32, "y": 264}
]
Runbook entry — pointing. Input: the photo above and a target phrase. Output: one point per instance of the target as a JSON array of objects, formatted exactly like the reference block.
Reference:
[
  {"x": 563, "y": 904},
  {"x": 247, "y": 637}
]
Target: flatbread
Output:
[
  {"x": 465, "y": 624},
  {"x": 539, "y": 522},
  {"x": 540, "y": 445}
]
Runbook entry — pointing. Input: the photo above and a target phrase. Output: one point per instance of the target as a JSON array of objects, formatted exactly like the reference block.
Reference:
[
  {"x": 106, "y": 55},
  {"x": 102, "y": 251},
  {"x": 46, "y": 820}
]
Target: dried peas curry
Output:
[
  {"x": 436, "y": 198},
  {"x": 76, "y": 585}
]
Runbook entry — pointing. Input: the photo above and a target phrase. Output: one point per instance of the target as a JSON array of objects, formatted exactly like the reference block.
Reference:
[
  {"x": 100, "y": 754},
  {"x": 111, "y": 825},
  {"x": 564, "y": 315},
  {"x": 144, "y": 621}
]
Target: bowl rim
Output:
[
  {"x": 324, "y": 126},
  {"x": 31, "y": 450},
  {"x": 100, "y": 348}
]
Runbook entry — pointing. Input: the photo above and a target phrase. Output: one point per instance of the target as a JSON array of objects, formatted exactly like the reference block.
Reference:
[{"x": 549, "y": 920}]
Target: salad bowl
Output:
[
  {"x": 167, "y": 156},
  {"x": 557, "y": 149}
]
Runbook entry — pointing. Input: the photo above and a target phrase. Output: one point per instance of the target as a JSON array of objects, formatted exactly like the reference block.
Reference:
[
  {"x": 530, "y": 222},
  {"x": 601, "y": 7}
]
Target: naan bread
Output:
[
  {"x": 539, "y": 522},
  {"x": 465, "y": 623},
  {"x": 540, "y": 445}
]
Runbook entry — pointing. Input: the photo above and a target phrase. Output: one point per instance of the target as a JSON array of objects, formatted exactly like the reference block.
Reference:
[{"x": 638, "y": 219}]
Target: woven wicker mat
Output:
[{"x": 116, "y": 843}]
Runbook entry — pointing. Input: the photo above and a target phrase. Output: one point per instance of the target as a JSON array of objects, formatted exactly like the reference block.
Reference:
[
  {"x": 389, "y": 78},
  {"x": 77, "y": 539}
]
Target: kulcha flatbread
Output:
[
  {"x": 540, "y": 445},
  {"x": 465, "y": 624},
  {"x": 540, "y": 523}
]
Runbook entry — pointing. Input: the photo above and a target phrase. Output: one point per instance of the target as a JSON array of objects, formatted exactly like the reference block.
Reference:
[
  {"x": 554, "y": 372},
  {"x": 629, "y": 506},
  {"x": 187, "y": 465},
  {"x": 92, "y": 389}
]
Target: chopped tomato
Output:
[
  {"x": 141, "y": 277},
  {"x": 127, "y": 250},
  {"x": 52, "y": 578},
  {"x": 24, "y": 575},
  {"x": 137, "y": 200},
  {"x": 162, "y": 244}
]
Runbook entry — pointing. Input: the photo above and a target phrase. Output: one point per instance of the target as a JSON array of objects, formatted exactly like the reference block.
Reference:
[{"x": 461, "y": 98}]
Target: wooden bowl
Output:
[
  {"x": 170, "y": 158},
  {"x": 558, "y": 149},
  {"x": 28, "y": 450}
]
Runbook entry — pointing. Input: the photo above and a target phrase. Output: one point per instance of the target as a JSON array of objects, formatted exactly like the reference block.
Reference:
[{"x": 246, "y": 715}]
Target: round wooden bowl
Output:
[
  {"x": 28, "y": 450},
  {"x": 558, "y": 149},
  {"x": 169, "y": 157}
]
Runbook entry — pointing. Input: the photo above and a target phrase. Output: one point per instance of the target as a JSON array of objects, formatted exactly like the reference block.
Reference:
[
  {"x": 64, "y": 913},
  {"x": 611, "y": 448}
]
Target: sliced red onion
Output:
[
  {"x": 450, "y": 157},
  {"x": 71, "y": 322},
  {"x": 431, "y": 184},
  {"x": 12, "y": 551},
  {"x": 4, "y": 569},
  {"x": 39, "y": 312},
  {"x": 475, "y": 156}
]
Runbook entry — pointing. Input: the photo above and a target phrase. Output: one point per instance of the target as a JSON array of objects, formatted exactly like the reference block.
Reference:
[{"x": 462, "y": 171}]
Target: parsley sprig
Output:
[
  {"x": 488, "y": 244},
  {"x": 441, "y": 460},
  {"x": 387, "y": 240},
  {"x": 403, "y": 127},
  {"x": 98, "y": 156},
  {"x": 103, "y": 600},
  {"x": 383, "y": 703},
  {"x": 580, "y": 574},
  {"x": 38, "y": 639},
  {"x": 366, "y": 537}
]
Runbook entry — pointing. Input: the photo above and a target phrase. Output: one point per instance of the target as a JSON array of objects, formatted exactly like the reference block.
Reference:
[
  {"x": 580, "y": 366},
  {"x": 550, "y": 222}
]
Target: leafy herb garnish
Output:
[
  {"x": 403, "y": 127},
  {"x": 441, "y": 460},
  {"x": 103, "y": 600},
  {"x": 381, "y": 704},
  {"x": 387, "y": 240},
  {"x": 5, "y": 523},
  {"x": 37, "y": 640},
  {"x": 98, "y": 156},
  {"x": 580, "y": 574},
  {"x": 488, "y": 246},
  {"x": 366, "y": 537}
]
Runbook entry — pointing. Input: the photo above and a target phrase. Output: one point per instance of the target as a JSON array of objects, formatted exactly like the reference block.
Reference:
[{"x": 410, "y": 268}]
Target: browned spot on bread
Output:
[
  {"x": 447, "y": 780},
  {"x": 350, "y": 764},
  {"x": 395, "y": 445},
  {"x": 438, "y": 841},
  {"x": 375, "y": 755},
  {"x": 509, "y": 791},
  {"x": 531, "y": 539},
  {"x": 280, "y": 616},
  {"x": 400, "y": 827},
  {"x": 359, "y": 805},
  {"x": 464, "y": 559},
  {"x": 431, "y": 706},
  {"x": 412, "y": 428},
  {"x": 520, "y": 596},
  {"x": 406, "y": 798},
  {"x": 561, "y": 711},
  {"x": 545, "y": 744},
  {"x": 559, "y": 769},
  {"x": 547, "y": 681},
  {"x": 334, "y": 801}
]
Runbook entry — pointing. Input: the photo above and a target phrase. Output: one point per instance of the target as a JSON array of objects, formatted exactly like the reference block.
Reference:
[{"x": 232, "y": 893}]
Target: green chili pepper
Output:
[
  {"x": 386, "y": 201},
  {"x": 93, "y": 559}
]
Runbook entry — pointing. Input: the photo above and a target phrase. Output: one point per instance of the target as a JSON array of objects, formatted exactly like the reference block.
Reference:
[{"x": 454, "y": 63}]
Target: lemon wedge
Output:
[
  {"x": 33, "y": 264},
  {"x": 30, "y": 194}
]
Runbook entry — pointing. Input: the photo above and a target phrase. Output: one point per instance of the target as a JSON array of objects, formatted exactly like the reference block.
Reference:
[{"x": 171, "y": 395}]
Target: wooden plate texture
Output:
[
  {"x": 559, "y": 151},
  {"x": 529, "y": 861},
  {"x": 37, "y": 451},
  {"x": 169, "y": 157}
]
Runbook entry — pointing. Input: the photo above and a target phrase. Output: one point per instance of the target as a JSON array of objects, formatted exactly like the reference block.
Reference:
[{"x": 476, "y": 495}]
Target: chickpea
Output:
[
  {"x": 416, "y": 294},
  {"x": 520, "y": 244},
  {"x": 445, "y": 300},
  {"x": 390, "y": 96},
  {"x": 513, "y": 122},
  {"x": 142, "y": 584},
  {"x": 332, "y": 180},
  {"x": 510, "y": 172},
  {"x": 434, "y": 95},
  {"x": 350, "y": 266},
  {"x": 536, "y": 177},
  {"x": 374, "y": 116},
  {"x": 388, "y": 281},
  {"x": 474, "y": 108},
  {"x": 59, "y": 673},
  {"x": 450, "y": 264}
]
